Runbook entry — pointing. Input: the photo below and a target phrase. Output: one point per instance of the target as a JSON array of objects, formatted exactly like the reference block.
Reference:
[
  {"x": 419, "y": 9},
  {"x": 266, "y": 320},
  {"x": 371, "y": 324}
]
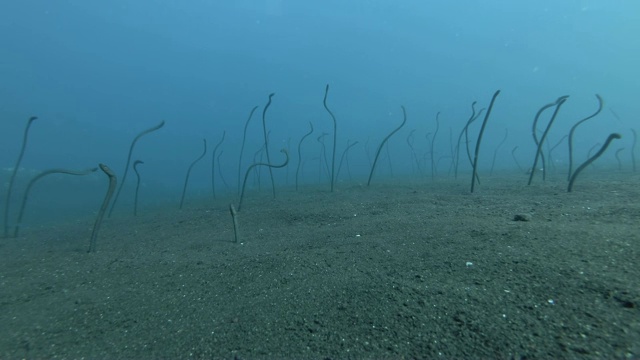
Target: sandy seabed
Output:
[{"x": 396, "y": 270}]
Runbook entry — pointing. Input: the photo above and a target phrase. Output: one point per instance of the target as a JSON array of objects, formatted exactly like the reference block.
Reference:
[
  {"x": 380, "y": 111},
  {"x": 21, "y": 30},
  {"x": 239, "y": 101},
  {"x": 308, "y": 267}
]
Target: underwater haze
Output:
[
  {"x": 293, "y": 179},
  {"x": 98, "y": 73}
]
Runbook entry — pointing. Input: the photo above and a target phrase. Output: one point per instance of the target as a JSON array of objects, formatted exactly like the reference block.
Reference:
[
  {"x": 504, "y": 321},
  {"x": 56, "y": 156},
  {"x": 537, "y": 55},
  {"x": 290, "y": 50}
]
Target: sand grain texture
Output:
[{"x": 412, "y": 270}]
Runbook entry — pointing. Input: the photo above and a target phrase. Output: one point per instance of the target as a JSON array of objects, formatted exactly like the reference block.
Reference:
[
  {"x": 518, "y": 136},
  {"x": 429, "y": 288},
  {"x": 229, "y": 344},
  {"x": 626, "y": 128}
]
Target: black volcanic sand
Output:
[{"x": 405, "y": 270}]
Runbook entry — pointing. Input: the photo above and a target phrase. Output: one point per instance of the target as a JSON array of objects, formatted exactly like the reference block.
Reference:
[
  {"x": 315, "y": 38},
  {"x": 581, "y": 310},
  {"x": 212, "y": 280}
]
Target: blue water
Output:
[{"x": 97, "y": 73}]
